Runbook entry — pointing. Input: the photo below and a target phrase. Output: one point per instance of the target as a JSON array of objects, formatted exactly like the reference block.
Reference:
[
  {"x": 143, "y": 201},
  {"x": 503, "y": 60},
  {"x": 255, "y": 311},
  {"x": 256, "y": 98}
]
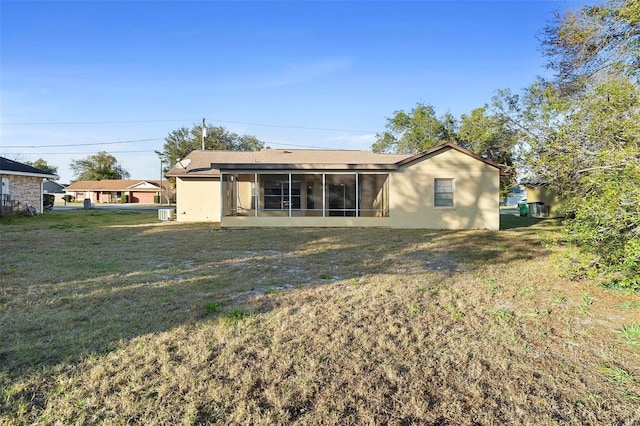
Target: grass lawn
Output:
[{"x": 115, "y": 318}]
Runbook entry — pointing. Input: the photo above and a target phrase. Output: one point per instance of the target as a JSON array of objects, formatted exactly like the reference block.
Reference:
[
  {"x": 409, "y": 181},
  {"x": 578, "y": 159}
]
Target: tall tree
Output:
[
  {"x": 180, "y": 142},
  {"x": 97, "y": 167},
  {"x": 491, "y": 136},
  {"x": 43, "y": 165},
  {"x": 583, "y": 131},
  {"x": 415, "y": 131}
]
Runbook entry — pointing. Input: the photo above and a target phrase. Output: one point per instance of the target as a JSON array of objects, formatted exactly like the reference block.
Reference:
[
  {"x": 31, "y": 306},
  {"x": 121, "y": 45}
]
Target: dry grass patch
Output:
[{"x": 105, "y": 322}]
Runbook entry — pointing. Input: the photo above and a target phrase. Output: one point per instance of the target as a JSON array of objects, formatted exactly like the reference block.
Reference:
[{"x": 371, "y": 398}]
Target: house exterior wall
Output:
[
  {"x": 546, "y": 196},
  {"x": 142, "y": 197},
  {"x": 198, "y": 199},
  {"x": 476, "y": 189},
  {"x": 26, "y": 190}
]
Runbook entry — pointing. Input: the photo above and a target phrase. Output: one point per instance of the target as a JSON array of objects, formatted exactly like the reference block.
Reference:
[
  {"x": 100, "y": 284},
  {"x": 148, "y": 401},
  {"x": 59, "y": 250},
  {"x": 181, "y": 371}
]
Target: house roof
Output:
[
  {"x": 115, "y": 185},
  {"x": 11, "y": 167},
  {"x": 209, "y": 163},
  {"x": 53, "y": 187}
]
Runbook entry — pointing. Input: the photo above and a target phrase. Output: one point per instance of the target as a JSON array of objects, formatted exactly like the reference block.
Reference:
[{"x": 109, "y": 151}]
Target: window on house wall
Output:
[{"x": 443, "y": 192}]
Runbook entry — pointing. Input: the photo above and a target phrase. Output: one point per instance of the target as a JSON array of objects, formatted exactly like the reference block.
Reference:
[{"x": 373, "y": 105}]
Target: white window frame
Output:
[{"x": 437, "y": 192}]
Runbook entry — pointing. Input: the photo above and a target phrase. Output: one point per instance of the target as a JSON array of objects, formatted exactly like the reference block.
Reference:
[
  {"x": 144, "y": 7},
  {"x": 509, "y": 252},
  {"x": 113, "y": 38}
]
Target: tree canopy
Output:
[
  {"x": 97, "y": 167},
  {"x": 594, "y": 44},
  {"x": 181, "y": 142},
  {"x": 43, "y": 165},
  {"x": 483, "y": 132},
  {"x": 490, "y": 135},
  {"x": 415, "y": 131}
]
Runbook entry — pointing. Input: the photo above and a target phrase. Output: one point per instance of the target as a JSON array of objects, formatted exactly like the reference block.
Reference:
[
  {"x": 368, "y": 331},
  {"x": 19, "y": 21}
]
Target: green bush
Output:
[
  {"x": 47, "y": 201},
  {"x": 68, "y": 198},
  {"x": 124, "y": 199},
  {"x": 606, "y": 224},
  {"x": 156, "y": 199}
]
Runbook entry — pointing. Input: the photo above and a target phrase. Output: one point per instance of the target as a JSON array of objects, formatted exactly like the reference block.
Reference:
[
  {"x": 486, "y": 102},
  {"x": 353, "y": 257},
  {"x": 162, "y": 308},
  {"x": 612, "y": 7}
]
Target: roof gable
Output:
[
  {"x": 446, "y": 146},
  {"x": 145, "y": 184}
]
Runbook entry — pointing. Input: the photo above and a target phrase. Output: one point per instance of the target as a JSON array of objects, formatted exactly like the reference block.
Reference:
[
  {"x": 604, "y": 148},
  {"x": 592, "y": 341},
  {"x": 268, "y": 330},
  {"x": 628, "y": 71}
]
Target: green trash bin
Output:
[{"x": 524, "y": 209}]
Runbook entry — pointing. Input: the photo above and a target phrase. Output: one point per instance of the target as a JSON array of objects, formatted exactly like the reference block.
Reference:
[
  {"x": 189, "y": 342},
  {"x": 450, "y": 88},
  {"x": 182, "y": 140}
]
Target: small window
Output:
[{"x": 443, "y": 193}]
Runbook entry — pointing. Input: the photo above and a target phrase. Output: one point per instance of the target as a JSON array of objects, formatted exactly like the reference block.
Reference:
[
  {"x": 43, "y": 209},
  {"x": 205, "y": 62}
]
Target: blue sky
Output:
[{"x": 294, "y": 74}]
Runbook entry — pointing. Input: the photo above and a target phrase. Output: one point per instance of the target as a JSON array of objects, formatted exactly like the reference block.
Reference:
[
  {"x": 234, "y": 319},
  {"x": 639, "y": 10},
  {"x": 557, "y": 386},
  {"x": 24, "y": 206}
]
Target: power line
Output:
[
  {"x": 300, "y": 146},
  {"x": 74, "y": 153},
  {"x": 152, "y": 150},
  {"x": 141, "y": 140},
  {"x": 280, "y": 126},
  {"x": 295, "y": 127},
  {"x": 83, "y": 144},
  {"x": 74, "y": 123}
]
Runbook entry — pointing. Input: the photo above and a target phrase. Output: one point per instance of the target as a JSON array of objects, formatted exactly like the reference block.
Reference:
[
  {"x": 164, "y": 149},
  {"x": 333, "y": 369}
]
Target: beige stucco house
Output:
[
  {"x": 446, "y": 187},
  {"x": 21, "y": 186}
]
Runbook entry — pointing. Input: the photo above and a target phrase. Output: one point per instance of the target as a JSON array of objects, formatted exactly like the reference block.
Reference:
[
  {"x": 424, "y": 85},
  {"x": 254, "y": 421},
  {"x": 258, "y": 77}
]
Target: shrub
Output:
[
  {"x": 606, "y": 224},
  {"x": 68, "y": 198},
  {"x": 47, "y": 201},
  {"x": 124, "y": 199}
]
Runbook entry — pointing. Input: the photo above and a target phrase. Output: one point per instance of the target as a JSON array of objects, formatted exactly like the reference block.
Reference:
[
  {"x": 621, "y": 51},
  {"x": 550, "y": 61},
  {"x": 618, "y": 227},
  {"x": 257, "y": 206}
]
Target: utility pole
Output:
[
  {"x": 204, "y": 133},
  {"x": 161, "y": 186}
]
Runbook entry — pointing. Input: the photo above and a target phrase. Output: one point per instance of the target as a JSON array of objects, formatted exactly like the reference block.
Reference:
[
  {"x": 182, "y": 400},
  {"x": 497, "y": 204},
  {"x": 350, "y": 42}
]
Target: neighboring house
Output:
[
  {"x": 54, "y": 188},
  {"x": 21, "y": 186},
  {"x": 446, "y": 187},
  {"x": 112, "y": 190}
]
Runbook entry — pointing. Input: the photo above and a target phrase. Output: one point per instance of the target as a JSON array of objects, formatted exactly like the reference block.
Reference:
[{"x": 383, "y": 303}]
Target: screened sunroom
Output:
[{"x": 310, "y": 194}]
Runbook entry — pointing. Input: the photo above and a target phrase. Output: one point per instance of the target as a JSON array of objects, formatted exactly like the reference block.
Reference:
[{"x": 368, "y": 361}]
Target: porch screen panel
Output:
[
  {"x": 374, "y": 198},
  {"x": 341, "y": 194},
  {"x": 228, "y": 190},
  {"x": 279, "y": 194},
  {"x": 238, "y": 195},
  {"x": 311, "y": 194}
]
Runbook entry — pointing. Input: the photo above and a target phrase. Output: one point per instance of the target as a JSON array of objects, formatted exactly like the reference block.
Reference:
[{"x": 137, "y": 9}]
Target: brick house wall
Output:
[{"x": 26, "y": 190}]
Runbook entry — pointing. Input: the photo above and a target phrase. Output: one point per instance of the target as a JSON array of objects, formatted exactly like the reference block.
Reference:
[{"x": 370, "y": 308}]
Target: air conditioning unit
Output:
[{"x": 166, "y": 214}]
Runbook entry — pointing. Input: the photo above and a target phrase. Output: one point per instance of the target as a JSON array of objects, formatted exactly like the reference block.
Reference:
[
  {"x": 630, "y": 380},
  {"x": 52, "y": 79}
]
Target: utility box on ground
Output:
[{"x": 166, "y": 214}]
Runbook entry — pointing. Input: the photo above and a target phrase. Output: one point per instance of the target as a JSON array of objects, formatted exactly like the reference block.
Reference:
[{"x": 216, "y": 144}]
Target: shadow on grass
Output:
[
  {"x": 91, "y": 287},
  {"x": 508, "y": 221}
]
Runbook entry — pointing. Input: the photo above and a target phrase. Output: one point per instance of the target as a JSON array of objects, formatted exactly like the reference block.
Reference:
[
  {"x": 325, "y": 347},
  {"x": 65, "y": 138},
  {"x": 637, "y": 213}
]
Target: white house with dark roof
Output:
[{"x": 21, "y": 186}]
